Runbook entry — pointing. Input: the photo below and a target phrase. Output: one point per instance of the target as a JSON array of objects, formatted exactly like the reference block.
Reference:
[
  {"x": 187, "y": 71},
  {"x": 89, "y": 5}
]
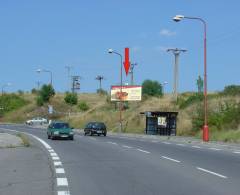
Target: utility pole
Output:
[
  {"x": 131, "y": 72},
  {"x": 69, "y": 76},
  {"x": 176, "y": 53},
  {"x": 100, "y": 78},
  {"x": 38, "y": 84}
]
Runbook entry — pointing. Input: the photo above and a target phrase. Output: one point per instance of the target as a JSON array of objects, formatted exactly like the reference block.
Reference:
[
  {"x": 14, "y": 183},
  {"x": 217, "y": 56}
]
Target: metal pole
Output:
[{"x": 121, "y": 97}]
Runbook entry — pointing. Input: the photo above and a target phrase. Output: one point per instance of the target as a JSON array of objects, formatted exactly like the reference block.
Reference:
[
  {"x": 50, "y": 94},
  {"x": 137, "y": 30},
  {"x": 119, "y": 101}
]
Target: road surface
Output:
[{"x": 116, "y": 165}]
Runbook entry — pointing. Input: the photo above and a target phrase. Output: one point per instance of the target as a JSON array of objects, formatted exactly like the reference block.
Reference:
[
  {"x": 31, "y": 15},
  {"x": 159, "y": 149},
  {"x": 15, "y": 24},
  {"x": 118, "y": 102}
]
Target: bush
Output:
[
  {"x": 183, "y": 103},
  {"x": 71, "y": 98},
  {"x": 45, "y": 94},
  {"x": 83, "y": 106},
  {"x": 10, "y": 102},
  {"x": 152, "y": 88},
  {"x": 231, "y": 90}
]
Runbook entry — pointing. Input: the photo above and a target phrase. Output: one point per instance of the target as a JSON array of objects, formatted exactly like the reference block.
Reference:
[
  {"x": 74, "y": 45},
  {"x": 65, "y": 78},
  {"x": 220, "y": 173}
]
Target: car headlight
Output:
[{"x": 56, "y": 133}]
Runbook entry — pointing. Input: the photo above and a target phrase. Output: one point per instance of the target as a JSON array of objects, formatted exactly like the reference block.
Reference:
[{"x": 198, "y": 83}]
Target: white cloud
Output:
[{"x": 167, "y": 33}]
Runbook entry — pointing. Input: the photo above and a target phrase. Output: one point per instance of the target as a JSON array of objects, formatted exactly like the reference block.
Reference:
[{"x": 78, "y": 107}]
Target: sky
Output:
[{"x": 54, "y": 34}]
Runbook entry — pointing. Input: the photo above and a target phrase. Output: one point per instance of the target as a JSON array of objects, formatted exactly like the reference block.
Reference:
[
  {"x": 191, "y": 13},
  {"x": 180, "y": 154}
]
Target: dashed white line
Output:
[
  {"x": 60, "y": 170},
  {"x": 171, "y": 159},
  {"x": 53, "y": 154},
  {"x": 57, "y": 163},
  {"x": 196, "y": 147},
  {"x": 112, "y": 143},
  {"x": 180, "y": 144},
  {"x": 144, "y": 151},
  {"x": 51, "y": 150},
  {"x": 55, "y": 158},
  {"x": 236, "y": 152},
  {"x": 167, "y": 143},
  {"x": 63, "y": 193},
  {"x": 211, "y": 172},
  {"x": 216, "y": 149},
  {"x": 62, "y": 182},
  {"x": 124, "y": 146}
]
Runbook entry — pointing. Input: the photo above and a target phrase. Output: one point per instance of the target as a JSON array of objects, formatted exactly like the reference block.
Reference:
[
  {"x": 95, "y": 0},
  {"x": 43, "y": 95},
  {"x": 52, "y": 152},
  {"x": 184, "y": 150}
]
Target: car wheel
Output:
[
  {"x": 98, "y": 134},
  {"x": 91, "y": 133},
  {"x": 71, "y": 138},
  {"x": 105, "y": 134},
  {"x": 48, "y": 136},
  {"x": 85, "y": 133}
]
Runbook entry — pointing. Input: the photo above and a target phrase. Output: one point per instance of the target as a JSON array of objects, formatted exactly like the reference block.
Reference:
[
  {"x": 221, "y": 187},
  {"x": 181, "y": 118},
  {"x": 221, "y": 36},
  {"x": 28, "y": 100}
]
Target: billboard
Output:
[{"x": 129, "y": 93}]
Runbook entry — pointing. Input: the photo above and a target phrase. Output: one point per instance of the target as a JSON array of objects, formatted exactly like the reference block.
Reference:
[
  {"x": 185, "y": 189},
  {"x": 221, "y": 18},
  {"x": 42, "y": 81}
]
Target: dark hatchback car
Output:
[{"x": 97, "y": 128}]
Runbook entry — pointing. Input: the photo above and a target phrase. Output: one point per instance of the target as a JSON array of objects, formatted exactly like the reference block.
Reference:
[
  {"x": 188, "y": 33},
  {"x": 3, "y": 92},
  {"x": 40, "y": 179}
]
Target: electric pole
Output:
[
  {"x": 69, "y": 76},
  {"x": 176, "y": 53},
  {"x": 131, "y": 72},
  {"x": 100, "y": 78}
]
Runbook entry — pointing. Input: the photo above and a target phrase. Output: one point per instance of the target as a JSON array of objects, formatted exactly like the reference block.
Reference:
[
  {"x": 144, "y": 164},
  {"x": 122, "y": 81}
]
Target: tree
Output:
[
  {"x": 231, "y": 90},
  {"x": 152, "y": 88},
  {"x": 71, "y": 98},
  {"x": 200, "y": 84},
  {"x": 45, "y": 93}
]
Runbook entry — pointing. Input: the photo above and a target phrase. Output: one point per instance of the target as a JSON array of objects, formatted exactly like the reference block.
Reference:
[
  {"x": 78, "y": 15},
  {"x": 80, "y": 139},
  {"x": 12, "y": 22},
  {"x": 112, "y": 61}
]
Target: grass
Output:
[{"x": 24, "y": 139}]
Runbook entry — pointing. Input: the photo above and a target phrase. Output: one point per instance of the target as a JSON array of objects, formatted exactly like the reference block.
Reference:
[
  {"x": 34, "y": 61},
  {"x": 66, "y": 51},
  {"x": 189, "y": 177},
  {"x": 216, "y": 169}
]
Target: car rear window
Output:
[{"x": 60, "y": 125}]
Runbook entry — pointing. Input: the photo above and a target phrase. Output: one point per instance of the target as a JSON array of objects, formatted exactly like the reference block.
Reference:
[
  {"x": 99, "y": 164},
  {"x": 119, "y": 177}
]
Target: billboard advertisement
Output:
[{"x": 129, "y": 93}]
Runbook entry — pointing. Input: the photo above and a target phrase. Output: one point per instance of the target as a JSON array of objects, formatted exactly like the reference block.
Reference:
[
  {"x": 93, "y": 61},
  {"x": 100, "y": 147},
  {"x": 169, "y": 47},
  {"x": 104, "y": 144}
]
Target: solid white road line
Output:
[
  {"x": 144, "y": 151},
  {"x": 57, "y": 163},
  {"x": 166, "y": 143},
  {"x": 211, "y": 172},
  {"x": 63, "y": 193},
  {"x": 171, "y": 159},
  {"x": 196, "y": 147},
  {"x": 62, "y": 182},
  {"x": 60, "y": 170},
  {"x": 236, "y": 152},
  {"x": 124, "y": 146},
  {"x": 216, "y": 149},
  {"x": 55, "y": 158},
  {"x": 112, "y": 143}
]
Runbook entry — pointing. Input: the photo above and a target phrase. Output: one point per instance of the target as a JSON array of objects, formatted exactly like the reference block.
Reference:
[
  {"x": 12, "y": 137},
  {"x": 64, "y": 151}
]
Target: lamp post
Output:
[
  {"x": 178, "y": 18},
  {"x": 43, "y": 70},
  {"x": 5, "y": 85},
  {"x": 111, "y": 51}
]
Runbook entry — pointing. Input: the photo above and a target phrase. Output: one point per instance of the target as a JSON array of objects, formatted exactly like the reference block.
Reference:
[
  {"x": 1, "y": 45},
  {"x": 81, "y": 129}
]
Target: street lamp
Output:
[
  {"x": 5, "y": 85},
  {"x": 178, "y": 18},
  {"x": 111, "y": 51},
  {"x": 43, "y": 70}
]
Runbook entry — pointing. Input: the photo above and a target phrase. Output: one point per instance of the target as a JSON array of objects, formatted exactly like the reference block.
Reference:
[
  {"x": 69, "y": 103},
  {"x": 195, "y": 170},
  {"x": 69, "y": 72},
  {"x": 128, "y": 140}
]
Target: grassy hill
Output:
[{"x": 223, "y": 113}]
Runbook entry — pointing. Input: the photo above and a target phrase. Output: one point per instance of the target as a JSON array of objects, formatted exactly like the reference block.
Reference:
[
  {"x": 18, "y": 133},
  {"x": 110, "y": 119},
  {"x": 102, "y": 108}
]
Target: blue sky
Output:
[{"x": 53, "y": 34}]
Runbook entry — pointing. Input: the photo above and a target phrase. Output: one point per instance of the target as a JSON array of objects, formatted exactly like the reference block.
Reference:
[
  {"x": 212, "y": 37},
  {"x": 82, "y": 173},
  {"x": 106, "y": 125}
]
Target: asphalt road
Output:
[{"x": 116, "y": 165}]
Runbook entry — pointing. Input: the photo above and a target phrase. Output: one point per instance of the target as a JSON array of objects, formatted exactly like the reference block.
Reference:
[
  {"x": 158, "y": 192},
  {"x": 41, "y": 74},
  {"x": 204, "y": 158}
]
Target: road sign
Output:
[{"x": 126, "y": 62}]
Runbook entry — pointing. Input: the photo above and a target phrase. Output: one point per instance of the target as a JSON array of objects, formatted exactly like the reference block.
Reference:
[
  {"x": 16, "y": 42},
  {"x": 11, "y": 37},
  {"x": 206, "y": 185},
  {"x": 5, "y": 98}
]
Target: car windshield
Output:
[
  {"x": 60, "y": 125},
  {"x": 98, "y": 125}
]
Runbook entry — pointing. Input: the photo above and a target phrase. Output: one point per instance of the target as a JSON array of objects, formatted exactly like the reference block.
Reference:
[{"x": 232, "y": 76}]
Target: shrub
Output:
[
  {"x": 152, "y": 88},
  {"x": 71, "y": 98},
  {"x": 45, "y": 94},
  {"x": 231, "y": 90},
  {"x": 183, "y": 103},
  {"x": 83, "y": 106}
]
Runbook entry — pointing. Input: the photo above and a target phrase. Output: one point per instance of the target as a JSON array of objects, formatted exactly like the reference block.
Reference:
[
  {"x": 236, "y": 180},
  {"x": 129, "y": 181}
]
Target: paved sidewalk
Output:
[{"x": 23, "y": 170}]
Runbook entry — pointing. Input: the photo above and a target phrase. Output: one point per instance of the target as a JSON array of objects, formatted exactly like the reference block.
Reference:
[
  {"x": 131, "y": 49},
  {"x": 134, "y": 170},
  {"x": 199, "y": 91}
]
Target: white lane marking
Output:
[
  {"x": 53, "y": 154},
  {"x": 51, "y": 150},
  {"x": 112, "y": 143},
  {"x": 211, "y": 172},
  {"x": 216, "y": 149},
  {"x": 180, "y": 144},
  {"x": 196, "y": 146},
  {"x": 43, "y": 142},
  {"x": 57, "y": 163},
  {"x": 55, "y": 158},
  {"x": 171, "y": 159},
  {"x": 62, "y": 182},
  {"x": 60, "y": 170},
  {"x": 144, "y": 151},
  {"x": 166, "y": 143},
  {"x": 63, "y": 193},
  {"x": 236, "y": 152},
  {"x": 125, "y": 146}
]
